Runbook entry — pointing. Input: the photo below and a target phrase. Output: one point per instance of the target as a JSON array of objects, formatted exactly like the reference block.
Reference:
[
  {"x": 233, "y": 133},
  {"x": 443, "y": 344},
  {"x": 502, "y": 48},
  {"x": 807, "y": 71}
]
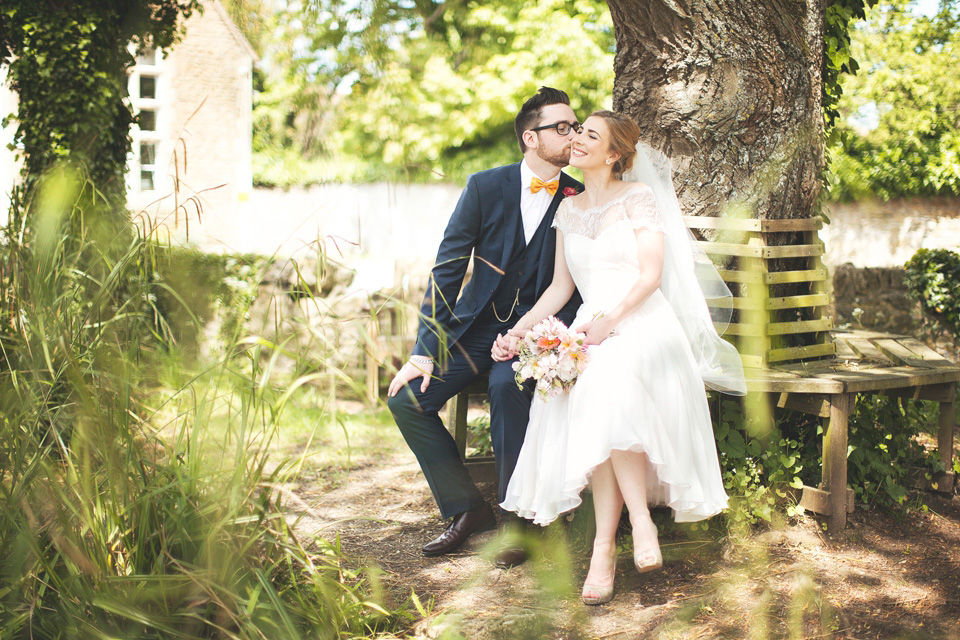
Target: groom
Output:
[{"x": 503, "y": 219}]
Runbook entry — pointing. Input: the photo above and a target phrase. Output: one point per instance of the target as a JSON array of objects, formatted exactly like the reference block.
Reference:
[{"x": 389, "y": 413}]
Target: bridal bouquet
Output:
[{"x": 551, "y": 354}]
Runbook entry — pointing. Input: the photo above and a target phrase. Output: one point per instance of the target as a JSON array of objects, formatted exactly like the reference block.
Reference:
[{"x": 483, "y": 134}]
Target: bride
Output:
[{"x": 636, "y": 426}]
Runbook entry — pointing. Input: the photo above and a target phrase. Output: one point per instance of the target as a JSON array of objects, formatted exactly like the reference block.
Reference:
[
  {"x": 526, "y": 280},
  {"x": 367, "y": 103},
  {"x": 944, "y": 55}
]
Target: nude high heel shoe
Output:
[
  {"x": 647, "y": 559},
  {"x": 594, "y": 594}
]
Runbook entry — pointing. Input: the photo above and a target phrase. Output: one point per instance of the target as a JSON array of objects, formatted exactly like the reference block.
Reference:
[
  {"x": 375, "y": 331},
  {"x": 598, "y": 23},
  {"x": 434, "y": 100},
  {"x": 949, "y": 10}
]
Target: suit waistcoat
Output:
[{"x": 517, "y": 291}]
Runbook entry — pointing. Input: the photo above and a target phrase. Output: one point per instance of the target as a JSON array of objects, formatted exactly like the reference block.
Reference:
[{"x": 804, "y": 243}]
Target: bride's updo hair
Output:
[{"x": 624, "y": 135}]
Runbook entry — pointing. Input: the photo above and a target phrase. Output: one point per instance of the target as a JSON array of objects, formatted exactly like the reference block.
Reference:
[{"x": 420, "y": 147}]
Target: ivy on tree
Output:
[
  {"x": 838, "y": 57},
  {"x": 67, "y": 62}
]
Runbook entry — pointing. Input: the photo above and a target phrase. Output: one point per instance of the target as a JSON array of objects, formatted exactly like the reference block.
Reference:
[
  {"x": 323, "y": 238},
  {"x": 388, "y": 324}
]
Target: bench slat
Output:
[
  {"x": 790, "y": 277},
  {"x": 808, "y": 351},
  {"x": 771, "y": 304},
  {"x": 780, "y": 328},
  {"x": 845, "y": 351},
  {"x": 773, "y": 277},
  {"x": 925, "y": 353},
  {"x": 882, "y": 379},
  {"x": 779, "y": 381},
  {"x": 900, "y": 354},
  {"x": 794, "y": 302},
  {"x": 866, "y": 349},
  {"x": 759, "y": 250},
  {"x": 752, "y": 224}
]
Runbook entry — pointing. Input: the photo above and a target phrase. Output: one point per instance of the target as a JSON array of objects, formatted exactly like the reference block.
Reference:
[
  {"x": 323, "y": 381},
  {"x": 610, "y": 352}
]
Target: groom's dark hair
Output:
[{"x": 529, "y": 114}]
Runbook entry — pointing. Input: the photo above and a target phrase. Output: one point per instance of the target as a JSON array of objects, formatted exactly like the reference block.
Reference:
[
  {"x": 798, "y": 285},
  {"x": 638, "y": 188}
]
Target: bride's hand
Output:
[
  {"x": 504, "y": 348},
  {"x": 596, "y": 330}
]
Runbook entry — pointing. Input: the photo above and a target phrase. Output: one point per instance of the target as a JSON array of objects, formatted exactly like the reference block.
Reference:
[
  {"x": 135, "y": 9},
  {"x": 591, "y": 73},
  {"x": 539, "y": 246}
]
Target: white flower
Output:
[{"x": 552, "y": 355}]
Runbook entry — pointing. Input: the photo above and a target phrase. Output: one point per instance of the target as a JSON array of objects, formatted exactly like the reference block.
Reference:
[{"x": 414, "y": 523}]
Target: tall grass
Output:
[{"x": 121, "y": 514}]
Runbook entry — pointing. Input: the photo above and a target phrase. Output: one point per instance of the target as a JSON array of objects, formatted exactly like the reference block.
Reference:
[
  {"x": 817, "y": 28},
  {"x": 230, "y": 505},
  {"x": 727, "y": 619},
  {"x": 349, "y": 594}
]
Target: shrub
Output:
[
  {"x": 764, "y": 455},
  {"x": 761, "y": 457},
  {"x": 884, "y": 452},
  {"x": 931, "y": 277}
]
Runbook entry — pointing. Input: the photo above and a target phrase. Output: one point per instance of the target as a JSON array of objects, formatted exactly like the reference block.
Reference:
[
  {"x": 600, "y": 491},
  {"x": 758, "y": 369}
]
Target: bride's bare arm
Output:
[{"x": 650, "y": 252}]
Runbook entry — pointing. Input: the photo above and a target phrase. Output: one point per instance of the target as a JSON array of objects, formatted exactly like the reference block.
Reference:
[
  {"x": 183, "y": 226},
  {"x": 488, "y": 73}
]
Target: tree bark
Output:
[{"x": 731, "y": 91}]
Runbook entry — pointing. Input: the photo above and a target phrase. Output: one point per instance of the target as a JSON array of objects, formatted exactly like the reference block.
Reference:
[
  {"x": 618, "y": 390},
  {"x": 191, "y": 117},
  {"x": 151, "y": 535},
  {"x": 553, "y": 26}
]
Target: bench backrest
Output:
[{"x": 782, "y": 292}]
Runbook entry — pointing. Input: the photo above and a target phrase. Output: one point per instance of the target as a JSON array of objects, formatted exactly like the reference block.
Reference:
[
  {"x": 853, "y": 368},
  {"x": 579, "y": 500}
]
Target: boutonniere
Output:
[{"x": 569, "y": 191}]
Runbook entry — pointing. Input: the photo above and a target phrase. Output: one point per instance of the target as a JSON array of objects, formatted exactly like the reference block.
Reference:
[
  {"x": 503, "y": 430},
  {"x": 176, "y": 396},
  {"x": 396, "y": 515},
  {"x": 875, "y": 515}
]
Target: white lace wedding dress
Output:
[{"x": 641, "y": 391}]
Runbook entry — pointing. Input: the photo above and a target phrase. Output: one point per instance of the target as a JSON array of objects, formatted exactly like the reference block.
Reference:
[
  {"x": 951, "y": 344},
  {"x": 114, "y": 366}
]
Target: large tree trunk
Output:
[{"x": 731, "y": 90}]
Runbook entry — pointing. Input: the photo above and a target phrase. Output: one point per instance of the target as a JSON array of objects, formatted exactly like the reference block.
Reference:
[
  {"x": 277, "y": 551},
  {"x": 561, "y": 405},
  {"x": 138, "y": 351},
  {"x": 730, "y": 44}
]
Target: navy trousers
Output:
[{"x": 417, "y": 416}]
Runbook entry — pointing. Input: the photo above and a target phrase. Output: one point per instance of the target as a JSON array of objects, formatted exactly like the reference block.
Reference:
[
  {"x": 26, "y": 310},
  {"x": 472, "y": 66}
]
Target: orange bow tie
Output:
[{"x": 538, "y": 184}]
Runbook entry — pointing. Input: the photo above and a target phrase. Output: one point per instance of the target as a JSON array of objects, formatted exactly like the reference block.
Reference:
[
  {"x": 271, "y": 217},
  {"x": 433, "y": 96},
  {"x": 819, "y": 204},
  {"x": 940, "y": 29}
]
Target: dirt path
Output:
[{"x": 883, "y": 577}]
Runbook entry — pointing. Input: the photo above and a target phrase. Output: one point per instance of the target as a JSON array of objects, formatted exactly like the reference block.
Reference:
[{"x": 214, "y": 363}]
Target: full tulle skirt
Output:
[{"x": 641, "y": 391}]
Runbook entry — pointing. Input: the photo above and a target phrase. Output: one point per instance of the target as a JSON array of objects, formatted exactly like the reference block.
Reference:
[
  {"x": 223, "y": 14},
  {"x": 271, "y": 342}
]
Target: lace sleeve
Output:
[
  {"x": 560, "y": 218},
  {"x": 640, "y": 208}
]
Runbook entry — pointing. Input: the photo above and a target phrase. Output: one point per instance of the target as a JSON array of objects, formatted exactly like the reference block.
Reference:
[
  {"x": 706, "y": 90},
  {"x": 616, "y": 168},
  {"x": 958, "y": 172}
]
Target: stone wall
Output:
[
  {"x": 867, "y": 244},
  {"x": 875, "y": 298},
  {"x": 887, "y": 234}
]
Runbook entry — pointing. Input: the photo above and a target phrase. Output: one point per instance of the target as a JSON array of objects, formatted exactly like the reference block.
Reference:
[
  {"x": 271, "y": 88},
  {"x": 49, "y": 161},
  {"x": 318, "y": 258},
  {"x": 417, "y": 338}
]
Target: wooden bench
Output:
[
  {"x": 866, "y": 363},
  {"x": 481, "y": 468},
  {"x": 784, "y": 332}
]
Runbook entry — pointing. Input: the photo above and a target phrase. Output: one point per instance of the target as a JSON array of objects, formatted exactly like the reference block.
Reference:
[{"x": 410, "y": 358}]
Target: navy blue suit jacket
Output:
[{"x": 485, "y": 226}]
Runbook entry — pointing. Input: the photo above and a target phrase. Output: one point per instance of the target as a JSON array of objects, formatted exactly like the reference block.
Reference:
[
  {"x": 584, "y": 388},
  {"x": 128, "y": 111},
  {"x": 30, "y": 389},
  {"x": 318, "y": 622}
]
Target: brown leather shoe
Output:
[
  {"x": 513, "y": 551},
  {"x": 479, "y": 519},
  {"x": 511, "y": 556}
]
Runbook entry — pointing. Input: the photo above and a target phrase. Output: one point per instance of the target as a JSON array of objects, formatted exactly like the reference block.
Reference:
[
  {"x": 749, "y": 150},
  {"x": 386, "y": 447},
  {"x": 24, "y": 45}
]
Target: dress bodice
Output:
[{"x": 600, "y": 246}]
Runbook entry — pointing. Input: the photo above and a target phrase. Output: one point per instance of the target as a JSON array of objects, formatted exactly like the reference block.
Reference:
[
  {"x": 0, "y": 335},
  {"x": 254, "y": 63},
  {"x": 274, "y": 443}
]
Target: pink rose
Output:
[{"x": 569, "y": 191}]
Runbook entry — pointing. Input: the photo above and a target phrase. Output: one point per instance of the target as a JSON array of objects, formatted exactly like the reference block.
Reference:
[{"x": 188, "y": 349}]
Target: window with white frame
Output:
[
  {"x": 148, "y": 165},
  {"x": 145, "y": 88}
]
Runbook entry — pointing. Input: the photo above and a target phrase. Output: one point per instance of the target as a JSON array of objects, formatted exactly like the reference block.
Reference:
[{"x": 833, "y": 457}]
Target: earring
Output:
[{"x": 608, "y": 160}]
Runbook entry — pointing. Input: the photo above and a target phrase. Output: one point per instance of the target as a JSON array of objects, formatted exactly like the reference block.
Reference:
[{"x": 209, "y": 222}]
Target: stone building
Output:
[{"x": 195, "y": 108}]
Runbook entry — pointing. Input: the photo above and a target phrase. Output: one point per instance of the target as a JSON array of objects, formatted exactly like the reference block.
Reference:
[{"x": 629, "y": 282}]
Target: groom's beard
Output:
[{"x": 559, "y": 159}]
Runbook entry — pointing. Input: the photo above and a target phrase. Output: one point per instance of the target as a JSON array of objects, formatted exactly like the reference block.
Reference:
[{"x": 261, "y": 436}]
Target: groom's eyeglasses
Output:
[{"x": 563, "y": 128}]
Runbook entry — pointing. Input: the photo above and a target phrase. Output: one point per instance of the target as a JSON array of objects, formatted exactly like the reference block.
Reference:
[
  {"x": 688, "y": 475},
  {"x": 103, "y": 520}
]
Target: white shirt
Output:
[{"x": 533, "y": 206}]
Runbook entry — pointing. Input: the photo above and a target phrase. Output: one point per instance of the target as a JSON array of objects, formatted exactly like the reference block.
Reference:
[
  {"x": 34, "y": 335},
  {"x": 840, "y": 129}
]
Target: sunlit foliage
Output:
[
  {"x": 899, "y": 132},
  {"x": 416, "y": 91}
]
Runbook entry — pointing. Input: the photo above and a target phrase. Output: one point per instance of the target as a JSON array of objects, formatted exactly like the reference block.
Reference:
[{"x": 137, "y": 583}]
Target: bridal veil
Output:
[{"x": 690, "y": 279}]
